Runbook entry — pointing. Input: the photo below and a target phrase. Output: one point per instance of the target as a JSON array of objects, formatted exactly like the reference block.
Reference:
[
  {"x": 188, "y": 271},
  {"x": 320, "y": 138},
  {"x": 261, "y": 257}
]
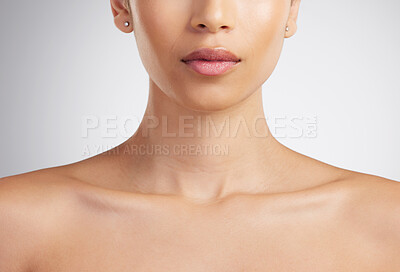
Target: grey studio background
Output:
[{"x": 64, "y": 66}]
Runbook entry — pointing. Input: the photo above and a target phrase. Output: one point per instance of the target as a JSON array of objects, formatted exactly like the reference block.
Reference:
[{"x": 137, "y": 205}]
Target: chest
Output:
[{"x": 171, "y": 243}]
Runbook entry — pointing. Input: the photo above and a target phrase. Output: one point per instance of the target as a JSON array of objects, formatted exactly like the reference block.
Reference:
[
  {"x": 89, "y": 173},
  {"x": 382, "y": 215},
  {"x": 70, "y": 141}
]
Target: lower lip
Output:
[{"x": 211, "y": 68}]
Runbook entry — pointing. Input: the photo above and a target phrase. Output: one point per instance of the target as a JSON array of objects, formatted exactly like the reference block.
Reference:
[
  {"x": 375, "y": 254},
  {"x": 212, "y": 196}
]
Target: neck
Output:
[{"x": 203, "y": 155}]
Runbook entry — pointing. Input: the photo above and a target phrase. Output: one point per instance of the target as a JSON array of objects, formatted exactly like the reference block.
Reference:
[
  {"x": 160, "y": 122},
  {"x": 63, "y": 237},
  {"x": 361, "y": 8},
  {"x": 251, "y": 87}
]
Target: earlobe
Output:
[
  {"x": 123, "y": 25},
  {"x": 291, "y": 29}
]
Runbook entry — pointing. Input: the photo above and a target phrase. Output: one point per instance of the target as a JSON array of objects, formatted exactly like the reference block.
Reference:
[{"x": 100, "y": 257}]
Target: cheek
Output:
[
  {"x": 161, "y": 22},
  {"x": 158, "y": 28},
  {"x": 262, "y": 28}
]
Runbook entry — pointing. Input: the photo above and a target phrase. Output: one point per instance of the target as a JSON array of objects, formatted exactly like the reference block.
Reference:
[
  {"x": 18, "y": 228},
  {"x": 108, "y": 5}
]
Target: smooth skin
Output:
[{"x": 261, "y": 207}]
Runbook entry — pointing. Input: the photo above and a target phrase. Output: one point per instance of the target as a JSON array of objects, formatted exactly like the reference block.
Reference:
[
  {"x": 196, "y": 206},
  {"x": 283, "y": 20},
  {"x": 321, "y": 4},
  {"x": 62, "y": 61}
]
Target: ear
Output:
[
  {"x": 122, "y": 14},
  {"x": 292, "y": 19}
]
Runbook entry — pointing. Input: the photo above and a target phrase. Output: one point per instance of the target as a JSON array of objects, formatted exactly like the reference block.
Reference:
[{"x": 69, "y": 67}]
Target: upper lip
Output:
[{"x": 211, "y": 54}]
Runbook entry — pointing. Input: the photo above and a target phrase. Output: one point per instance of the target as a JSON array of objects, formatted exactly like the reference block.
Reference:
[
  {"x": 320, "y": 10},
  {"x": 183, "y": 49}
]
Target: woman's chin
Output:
[{"x": 207, "y": 104}]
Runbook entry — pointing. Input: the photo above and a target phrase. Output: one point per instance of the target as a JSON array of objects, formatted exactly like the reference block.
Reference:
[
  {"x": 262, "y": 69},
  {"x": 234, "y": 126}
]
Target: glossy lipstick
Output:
[{"x": 211, "y": 62}]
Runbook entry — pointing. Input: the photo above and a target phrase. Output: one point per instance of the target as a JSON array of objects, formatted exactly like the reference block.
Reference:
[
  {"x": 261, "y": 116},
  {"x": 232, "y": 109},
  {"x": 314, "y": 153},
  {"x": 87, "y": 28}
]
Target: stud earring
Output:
[
  {"x": 126, "y": 24},
  {"x": 287, "y": 29}
]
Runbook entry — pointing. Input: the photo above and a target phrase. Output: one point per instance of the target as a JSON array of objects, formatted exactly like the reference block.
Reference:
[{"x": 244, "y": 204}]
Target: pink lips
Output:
[{"x": 211, "y": 62}]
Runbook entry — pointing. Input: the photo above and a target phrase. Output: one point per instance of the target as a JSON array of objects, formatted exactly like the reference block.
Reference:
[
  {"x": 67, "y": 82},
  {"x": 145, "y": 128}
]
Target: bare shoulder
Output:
[
  {"x": 371, "y": 211},
  {"x": 32, "y": 207},
  {"x": 34, "y": 188},
  {"x": 372, "y": 193}
]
